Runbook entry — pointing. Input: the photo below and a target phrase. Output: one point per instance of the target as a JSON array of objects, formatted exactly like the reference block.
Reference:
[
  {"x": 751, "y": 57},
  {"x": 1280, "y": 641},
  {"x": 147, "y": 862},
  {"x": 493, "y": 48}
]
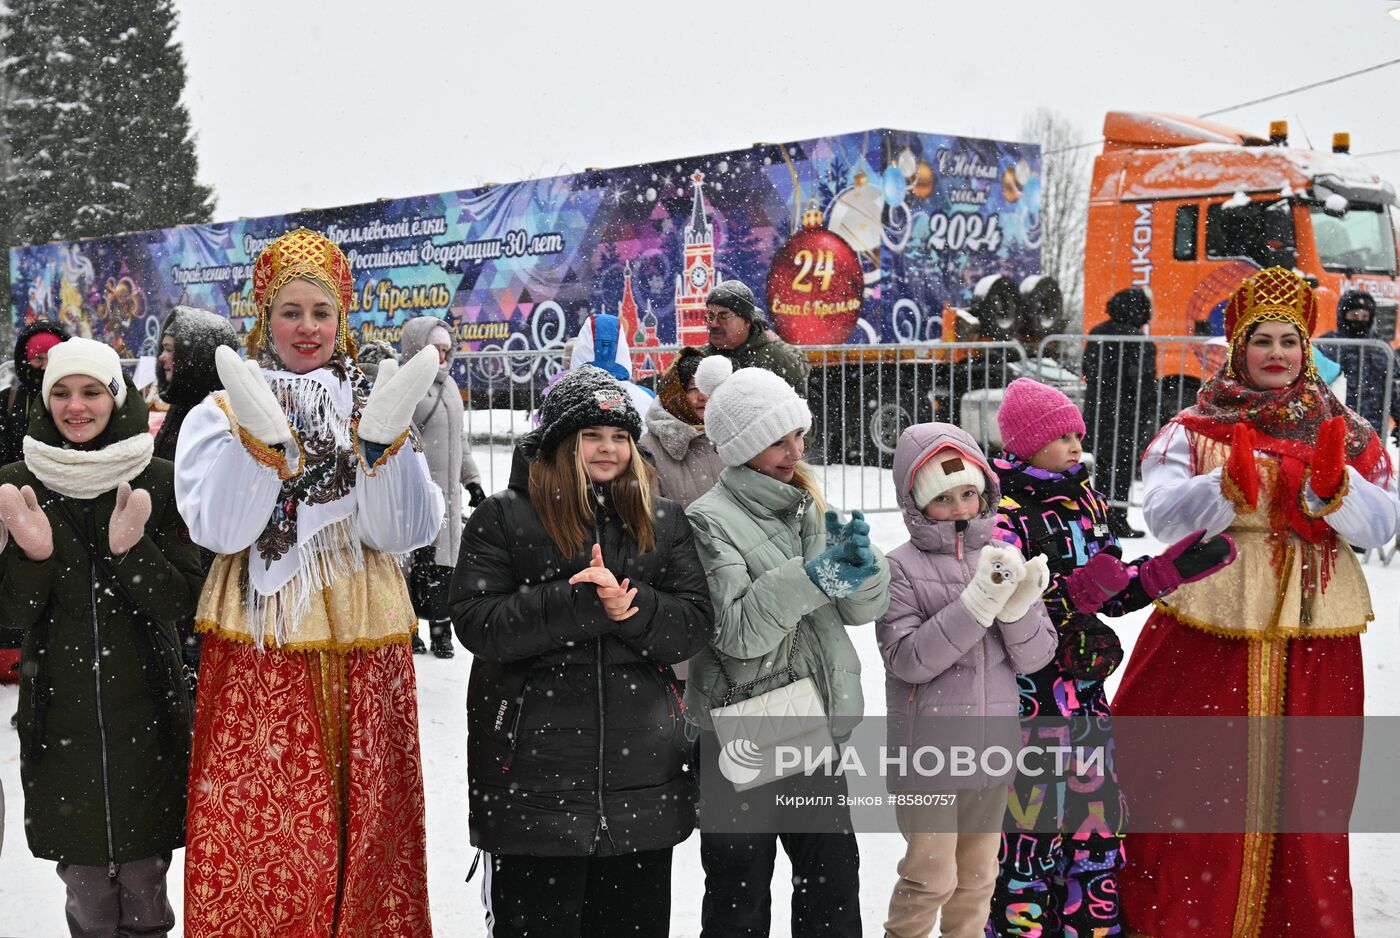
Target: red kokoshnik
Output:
[{"x": 1285, "y": 421}]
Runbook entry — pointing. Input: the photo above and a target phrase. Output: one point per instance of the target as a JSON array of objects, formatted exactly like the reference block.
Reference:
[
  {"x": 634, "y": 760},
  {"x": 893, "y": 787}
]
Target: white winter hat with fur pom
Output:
[{"x": 749, "y": 409}]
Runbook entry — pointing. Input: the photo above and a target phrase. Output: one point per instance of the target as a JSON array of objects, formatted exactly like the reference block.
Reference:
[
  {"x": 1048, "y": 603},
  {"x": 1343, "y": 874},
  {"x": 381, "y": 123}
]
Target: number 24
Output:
[{"x": 822, "y": 264}]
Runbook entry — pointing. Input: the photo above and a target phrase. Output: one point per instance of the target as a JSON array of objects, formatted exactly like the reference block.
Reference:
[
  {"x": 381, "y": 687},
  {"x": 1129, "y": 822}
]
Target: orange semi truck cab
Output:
[{"x": 1189, "y": 208}]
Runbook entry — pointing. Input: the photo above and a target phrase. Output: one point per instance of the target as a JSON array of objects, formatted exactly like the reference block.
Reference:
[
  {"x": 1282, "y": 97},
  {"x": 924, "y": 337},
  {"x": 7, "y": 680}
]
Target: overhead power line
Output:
[
  {"x": 1316, "y": 84},
  {"x": 1236, "y": 107}
]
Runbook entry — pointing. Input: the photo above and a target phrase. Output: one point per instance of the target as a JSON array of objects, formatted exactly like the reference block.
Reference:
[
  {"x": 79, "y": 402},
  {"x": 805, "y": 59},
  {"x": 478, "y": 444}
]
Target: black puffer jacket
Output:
[
  {"x": 19, "y": 400},
  {"x": 1120, "y": 385},
  {"x": 1365, "y": 370},
  {"x": 576, "y": 739}
]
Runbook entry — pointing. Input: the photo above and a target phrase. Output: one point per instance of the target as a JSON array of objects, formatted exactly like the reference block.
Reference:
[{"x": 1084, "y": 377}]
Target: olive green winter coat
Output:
[
  {"x": 104, "y": 711},
  {"x": 763, "y": 349},
  {"x": 753, "y": 534}
]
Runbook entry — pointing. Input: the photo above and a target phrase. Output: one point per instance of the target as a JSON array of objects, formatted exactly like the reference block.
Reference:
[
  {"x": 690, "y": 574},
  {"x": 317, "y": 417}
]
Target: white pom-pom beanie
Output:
[
  {"x": 945, "y": 469},
  {"x": 79, "y": 356},
  {"x": 749, "y": 409}
]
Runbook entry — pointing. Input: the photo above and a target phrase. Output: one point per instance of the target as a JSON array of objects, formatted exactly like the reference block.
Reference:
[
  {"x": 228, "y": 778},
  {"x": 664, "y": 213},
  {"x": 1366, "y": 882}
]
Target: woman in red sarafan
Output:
[
  {"x": 306, "y": 784},
  {"x": 1269, "y": 455}
]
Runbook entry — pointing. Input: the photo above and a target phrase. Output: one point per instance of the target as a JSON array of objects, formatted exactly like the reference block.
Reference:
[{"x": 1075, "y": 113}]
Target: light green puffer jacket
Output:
[{"x": 753, "y": 534}]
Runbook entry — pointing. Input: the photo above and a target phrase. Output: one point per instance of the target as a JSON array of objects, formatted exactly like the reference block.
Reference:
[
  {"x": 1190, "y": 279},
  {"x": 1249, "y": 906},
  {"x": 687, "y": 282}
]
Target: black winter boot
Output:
[
  {"x": 440, "y": 631},
  {"x": 418, "y": 647}
]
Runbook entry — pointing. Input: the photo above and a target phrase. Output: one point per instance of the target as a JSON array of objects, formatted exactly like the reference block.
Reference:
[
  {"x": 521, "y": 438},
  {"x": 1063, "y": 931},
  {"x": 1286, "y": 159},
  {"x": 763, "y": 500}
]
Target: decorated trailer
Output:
[{"x": 859, "y": 240}]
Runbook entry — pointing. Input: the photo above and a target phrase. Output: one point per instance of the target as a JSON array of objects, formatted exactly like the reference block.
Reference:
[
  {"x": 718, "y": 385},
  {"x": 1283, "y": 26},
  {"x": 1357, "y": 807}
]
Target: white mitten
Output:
[
  {"x": 998, "y": 571},
  {"x": 396, "y": 392},
  {"x": 1034, "y": 580},
  {"x": 250, "y": 399}
]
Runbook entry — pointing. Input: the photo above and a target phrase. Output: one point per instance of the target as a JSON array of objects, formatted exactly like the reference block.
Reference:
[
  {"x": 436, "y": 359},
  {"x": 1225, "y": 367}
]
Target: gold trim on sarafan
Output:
[
  {"x": 1266, "y": 687},
  {"x": 364, "y": 608}
]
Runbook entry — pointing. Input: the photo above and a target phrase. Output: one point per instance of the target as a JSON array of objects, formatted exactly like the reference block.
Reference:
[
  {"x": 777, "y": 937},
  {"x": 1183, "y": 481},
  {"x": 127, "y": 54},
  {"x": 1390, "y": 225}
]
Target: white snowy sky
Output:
[{"x": 300, "y": 104}]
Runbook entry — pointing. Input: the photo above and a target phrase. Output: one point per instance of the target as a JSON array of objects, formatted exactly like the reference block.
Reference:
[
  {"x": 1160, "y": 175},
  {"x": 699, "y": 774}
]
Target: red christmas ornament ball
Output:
[{"x": 815, "y": 286}]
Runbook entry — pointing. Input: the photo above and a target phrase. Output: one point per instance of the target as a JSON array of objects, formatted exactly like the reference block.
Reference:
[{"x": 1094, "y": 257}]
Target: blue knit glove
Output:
[
  {"x": 837, "y": 574},
  {"x": 838, "y": 534}
]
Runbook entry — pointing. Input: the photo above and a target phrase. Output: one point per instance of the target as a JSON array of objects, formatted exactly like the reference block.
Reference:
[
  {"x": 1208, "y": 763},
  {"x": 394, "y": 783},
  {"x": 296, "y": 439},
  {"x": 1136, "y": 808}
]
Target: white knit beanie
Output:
[
  {"x": 945, "y": 469},
  {"x": 749, "y": 409},
  {"x": 79, "y": 356}
]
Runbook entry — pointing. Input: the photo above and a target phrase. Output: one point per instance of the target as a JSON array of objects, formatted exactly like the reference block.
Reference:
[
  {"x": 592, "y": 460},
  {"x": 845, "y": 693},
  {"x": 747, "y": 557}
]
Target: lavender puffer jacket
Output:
[{"x": 948, "y": 681}]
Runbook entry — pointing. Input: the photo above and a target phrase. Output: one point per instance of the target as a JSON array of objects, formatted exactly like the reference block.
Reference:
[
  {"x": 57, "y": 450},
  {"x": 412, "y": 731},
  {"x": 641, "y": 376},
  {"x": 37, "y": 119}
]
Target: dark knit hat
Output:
[
  {"x": 589, "y": 397},
  {"x": 370, "y": 356},
  {"x": 734, "y": 296},
  {"x": 1131, "y": 307},
  {"x": 1356, "y": 299}
]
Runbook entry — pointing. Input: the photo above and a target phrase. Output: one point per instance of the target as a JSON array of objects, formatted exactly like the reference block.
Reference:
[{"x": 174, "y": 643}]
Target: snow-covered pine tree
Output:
[
  {"x": 142, "y": 75},
  {"x": 99, "y": 141},
  {"x": 6, "y": 93}
]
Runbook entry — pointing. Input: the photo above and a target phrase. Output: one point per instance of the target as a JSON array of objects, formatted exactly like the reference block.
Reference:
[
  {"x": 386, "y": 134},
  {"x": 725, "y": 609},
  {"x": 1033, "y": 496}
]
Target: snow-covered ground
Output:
[{"x": 31, "y": 896}]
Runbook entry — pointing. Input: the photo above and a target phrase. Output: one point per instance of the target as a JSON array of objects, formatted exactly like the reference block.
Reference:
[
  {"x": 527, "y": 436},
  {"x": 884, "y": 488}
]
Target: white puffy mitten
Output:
[
  {"x": 396, "y": 392},
  {"x": 998, "y": 570},
  {"x": 250, "y": 399},
  {"x": 1031, "y": 587}
]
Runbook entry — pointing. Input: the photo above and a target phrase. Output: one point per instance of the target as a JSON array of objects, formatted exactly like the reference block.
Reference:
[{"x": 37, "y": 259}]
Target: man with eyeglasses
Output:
[{"x": 739, "y": 331}]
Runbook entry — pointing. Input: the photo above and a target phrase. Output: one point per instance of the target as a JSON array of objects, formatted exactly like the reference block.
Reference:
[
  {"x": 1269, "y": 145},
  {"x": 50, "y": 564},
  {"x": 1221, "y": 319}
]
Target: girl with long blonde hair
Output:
[
  {"x": 787, "y": 577},
  {"x": 576, "y": 589}
]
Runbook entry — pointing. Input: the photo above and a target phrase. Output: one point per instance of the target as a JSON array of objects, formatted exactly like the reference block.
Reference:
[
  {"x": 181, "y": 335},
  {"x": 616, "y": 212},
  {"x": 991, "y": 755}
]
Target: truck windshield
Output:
[
  {"x": 1259, "y": 230},
  {"x": 1358, "y": 240}
]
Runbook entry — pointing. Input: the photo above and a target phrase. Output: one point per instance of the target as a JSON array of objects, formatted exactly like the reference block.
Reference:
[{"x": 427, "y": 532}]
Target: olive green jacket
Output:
[
  {"x": 763, "y": 349},
  {"x": 754, "y": 534}
]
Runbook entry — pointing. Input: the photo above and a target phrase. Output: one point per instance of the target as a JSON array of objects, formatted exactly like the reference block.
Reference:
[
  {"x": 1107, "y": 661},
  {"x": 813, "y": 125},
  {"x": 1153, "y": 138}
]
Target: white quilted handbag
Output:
[{"x": 751, "y": 730}]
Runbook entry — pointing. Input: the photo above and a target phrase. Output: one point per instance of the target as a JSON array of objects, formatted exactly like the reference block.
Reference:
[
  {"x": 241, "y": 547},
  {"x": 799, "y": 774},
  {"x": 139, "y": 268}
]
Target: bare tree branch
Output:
[{"x": 1064, "y": 204}]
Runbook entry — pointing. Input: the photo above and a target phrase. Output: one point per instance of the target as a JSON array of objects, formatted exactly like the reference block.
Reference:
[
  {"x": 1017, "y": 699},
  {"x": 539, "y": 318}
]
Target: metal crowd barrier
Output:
[{"x": 862, "y": 398}]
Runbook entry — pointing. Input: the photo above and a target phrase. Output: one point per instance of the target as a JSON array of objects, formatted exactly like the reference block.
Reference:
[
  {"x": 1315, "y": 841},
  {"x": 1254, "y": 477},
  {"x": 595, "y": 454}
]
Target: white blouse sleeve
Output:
[
  {"x": 399, "y": 507},
  {"x": 1175, "y": 502},
  {"x": 224, "y": 494},
  {"x": 1369, "y": 512}
]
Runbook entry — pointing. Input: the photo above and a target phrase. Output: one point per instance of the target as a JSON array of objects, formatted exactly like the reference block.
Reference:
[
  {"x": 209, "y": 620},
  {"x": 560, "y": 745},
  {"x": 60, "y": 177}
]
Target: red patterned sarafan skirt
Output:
[
  {"x": 1278, "y": 877},
  {"x": 306, "y": 795}
]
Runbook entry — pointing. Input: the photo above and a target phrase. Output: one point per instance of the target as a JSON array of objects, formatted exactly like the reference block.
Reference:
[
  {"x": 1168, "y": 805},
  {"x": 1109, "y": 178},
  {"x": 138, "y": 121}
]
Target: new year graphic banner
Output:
[{"x": 859, "y": 238}]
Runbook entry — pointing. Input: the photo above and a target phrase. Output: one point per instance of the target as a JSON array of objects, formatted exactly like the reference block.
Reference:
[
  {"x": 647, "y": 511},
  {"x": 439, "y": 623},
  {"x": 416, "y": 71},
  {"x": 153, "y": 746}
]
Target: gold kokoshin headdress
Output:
[
  {"x": 302, "y": 253},
  {"x": 1272, "y": 295}
]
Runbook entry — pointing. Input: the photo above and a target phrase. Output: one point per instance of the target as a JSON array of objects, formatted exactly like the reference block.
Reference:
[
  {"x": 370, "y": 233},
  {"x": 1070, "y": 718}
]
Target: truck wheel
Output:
[
  {"x": 1042, "y": 307},
  {"x": 998, "y": 308},
  {"x": 886, "y": 421}
]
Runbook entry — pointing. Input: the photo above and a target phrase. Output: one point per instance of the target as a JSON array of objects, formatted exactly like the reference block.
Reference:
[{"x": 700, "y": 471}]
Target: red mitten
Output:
[
  {"x": 1103, "y": 577},
  {"x": 1240, "y": 481},
  {"x": 1329, "y": 467}
]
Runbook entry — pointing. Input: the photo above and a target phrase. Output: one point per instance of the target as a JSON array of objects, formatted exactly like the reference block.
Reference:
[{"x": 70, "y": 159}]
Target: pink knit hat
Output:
[{"x": 1033, "y": 414}]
